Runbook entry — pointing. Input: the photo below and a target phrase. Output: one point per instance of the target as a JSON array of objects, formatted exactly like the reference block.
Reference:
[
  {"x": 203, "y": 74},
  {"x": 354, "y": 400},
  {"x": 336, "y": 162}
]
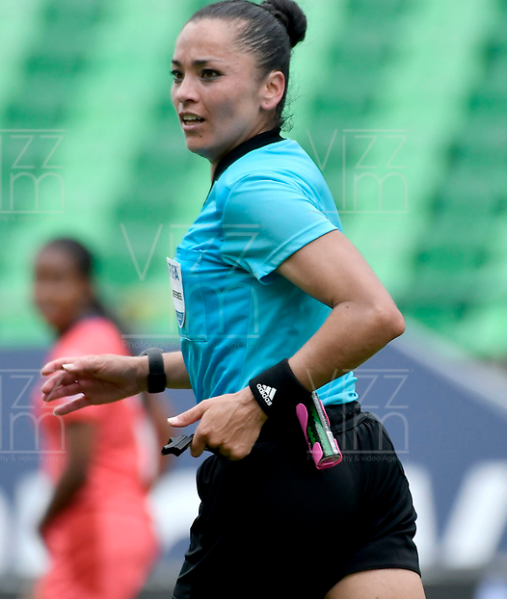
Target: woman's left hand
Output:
[{"x": 231, "y": 423}]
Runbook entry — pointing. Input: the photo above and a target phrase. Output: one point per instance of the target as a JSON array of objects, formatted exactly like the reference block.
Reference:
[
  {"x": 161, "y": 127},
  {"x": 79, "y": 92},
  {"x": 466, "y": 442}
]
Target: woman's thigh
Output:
[{"x": 379, "y": 583}]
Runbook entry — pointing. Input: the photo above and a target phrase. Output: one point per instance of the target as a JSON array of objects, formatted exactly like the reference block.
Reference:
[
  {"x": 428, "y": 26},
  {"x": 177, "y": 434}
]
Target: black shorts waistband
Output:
[
  {"x": 342, "y": 417},
  {"x": 347, "y": 409}
]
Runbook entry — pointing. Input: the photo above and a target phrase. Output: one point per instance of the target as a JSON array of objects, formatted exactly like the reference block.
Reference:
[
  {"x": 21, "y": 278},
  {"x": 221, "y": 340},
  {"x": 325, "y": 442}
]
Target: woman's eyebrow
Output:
[{"x": 198, "y": 63}]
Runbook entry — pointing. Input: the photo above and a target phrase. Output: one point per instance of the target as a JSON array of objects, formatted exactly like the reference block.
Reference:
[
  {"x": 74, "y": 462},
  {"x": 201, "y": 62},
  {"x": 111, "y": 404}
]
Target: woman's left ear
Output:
[{"x": 273, "y": 91}]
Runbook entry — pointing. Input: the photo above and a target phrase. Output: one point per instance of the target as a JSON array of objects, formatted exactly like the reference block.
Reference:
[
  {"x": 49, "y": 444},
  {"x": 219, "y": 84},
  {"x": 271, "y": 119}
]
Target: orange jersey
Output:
[{"x": 102, "y": 544}]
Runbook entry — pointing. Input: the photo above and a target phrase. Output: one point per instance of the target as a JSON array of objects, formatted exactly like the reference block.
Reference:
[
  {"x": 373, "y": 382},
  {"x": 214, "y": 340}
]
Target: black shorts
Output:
[{"x": 273, "y": 526}]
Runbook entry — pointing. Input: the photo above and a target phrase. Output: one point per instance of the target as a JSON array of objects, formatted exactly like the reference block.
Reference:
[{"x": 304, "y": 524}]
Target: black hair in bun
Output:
[
  {"x": 269, "y": 30},
  {"x": 291, "y": 16}
]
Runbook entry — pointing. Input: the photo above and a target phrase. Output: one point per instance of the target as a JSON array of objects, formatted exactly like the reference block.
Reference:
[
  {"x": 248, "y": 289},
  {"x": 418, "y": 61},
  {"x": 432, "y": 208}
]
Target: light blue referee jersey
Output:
[{"x": 237, "y": 315}]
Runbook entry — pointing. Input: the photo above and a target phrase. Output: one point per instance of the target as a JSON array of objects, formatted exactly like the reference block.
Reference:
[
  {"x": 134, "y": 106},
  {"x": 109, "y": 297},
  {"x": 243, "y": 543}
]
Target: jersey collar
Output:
[{"x": 258, "y": 141}]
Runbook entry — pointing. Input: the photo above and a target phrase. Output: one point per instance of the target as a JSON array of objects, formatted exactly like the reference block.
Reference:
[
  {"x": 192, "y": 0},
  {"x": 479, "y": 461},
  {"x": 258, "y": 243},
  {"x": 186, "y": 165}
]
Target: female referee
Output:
[{"x": 272, "y": 301}]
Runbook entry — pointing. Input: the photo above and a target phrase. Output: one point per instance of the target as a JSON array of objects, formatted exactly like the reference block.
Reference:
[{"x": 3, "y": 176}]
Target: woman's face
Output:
[
  {"x": 218, "y": 93},
  {"x": 60, "y": 292}
]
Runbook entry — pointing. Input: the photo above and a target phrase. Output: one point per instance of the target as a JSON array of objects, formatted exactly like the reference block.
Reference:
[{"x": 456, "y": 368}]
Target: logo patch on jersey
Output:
[
  {"x": 177, "y": 289},
  {"x": 267, "y": 393}
]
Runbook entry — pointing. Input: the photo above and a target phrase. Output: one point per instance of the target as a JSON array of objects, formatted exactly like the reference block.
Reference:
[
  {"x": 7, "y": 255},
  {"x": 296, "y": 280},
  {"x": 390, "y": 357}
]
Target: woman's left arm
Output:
[{"x": 364, "y": 317}]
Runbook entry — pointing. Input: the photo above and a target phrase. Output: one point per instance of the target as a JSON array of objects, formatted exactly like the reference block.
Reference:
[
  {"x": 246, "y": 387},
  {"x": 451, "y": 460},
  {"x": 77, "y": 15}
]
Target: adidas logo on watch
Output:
[{"x": 267, "y": 393}]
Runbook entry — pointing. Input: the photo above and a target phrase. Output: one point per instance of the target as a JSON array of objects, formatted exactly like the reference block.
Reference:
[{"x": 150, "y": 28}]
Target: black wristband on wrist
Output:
[
  {"x": 157, "y": 379},
  {"x": 277, "y": 390}
]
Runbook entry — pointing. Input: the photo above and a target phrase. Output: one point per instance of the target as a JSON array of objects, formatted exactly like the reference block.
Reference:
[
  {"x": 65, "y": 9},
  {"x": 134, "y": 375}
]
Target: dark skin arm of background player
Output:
[
  {"x": 157, "y": 410},
  {"x": 79, "y": 441}
]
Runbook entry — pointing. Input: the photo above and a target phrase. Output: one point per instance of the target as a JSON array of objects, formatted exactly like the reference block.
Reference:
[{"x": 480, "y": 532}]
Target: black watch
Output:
[{"x": 157, "y": 379}]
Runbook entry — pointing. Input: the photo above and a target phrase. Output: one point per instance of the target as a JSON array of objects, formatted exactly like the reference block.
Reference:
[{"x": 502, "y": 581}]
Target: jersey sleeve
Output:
[{"x": 266, "y": 221}]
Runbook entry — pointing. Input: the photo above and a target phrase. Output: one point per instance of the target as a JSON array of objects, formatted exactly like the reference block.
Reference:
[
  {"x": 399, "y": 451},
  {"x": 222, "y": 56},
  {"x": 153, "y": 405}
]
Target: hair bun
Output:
[{"x": 291, "y": 16}]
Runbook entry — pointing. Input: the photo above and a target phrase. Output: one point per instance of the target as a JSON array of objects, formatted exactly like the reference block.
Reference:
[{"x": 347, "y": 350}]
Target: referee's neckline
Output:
[{"x": 258, "y": 141}]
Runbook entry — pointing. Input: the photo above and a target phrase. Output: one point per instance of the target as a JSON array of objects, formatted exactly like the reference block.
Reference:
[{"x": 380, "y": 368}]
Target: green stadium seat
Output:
[
  {"x": 74, "y": 13},
  {"x": 388, "y": 8},
  {"x": 482, "y": 330},
  {"x": 483, "y": 140}
]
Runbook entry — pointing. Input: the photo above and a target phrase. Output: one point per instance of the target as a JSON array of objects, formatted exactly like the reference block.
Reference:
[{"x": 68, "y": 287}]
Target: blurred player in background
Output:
[{"x": 97, "y": 526}]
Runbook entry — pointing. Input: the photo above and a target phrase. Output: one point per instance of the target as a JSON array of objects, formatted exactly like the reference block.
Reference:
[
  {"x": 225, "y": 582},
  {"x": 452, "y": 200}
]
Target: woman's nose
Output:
[{"x": 186, "y": 91}]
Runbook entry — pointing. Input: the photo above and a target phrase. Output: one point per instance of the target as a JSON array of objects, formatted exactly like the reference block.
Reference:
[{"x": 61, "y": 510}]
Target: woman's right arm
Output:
[{"x": 105, "y": 378}]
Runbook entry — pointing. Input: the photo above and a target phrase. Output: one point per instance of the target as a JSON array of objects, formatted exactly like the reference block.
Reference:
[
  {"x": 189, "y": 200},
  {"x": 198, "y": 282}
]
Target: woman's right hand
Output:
[{"x": 93, "y": 380}]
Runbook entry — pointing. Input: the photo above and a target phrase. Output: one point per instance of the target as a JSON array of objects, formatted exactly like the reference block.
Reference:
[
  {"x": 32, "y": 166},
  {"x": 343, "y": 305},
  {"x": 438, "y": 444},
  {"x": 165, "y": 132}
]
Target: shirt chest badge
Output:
[{"x": 177, "y": 289}]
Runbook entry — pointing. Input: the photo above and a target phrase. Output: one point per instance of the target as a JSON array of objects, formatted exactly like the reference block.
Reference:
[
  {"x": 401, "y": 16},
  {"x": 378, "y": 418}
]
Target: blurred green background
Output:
[{"x": 401, "y": 103}]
